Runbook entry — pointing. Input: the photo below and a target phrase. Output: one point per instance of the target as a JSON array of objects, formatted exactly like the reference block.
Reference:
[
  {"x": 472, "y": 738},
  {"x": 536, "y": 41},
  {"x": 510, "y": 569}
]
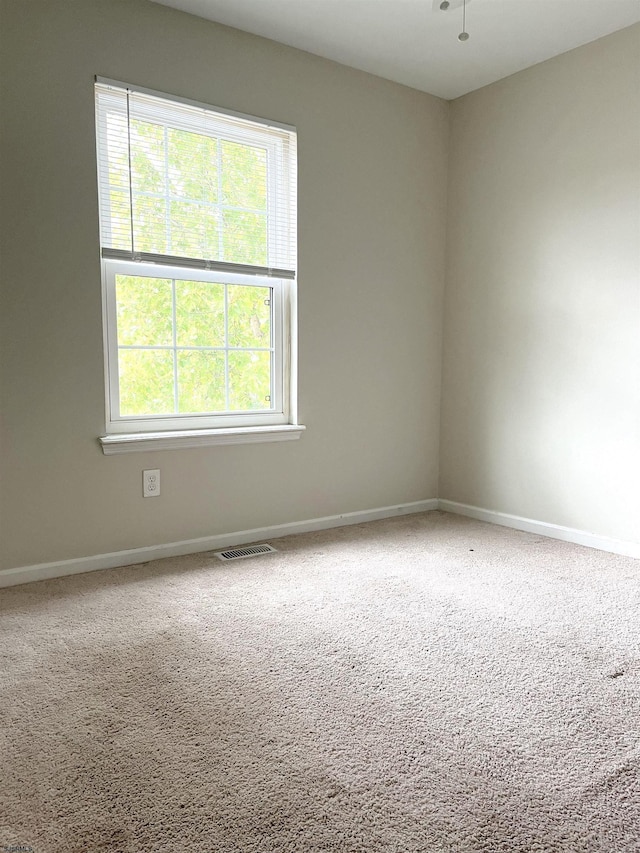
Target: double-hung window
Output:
[{"x": 198, "y": 244}]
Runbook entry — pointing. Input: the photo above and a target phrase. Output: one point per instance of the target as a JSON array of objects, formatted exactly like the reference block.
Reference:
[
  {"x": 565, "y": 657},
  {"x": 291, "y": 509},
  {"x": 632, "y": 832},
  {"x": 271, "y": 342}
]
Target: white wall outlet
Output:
[{"x": 151, "y": 483}]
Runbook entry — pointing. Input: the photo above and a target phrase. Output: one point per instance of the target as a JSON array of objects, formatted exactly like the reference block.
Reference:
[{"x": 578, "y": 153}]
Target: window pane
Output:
[
  {"x": 201, "y": 382},
  {"x": 150, "y": 224},
  {"x": 194, "y": 230},
  {"x": 146, "y": 382},
  {"x": 249, "y": 380},
  {"x": 244, "y": 176},
  {"x": 144, "y": 308},
  {"x": 249, "y": 317},
  {"x": 193, "y": 165},
  {"x": 245, "y": 237},
  {"x": 147, "y": 157},
  {"x": 200, "y": 314}
]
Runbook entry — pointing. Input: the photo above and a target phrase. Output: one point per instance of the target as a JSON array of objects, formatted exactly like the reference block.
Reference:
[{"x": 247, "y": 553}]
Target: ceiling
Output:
[{"x": 413, "y": 42}]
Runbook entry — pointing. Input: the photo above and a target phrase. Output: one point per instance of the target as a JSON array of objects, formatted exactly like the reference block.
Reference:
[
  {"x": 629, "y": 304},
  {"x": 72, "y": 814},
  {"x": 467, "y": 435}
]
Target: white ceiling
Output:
[{"x": 413, "y": 42}]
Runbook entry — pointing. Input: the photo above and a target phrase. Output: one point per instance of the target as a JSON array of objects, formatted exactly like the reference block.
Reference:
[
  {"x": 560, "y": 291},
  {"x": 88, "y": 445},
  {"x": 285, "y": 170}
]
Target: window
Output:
[{"x": 198, "y": 244}]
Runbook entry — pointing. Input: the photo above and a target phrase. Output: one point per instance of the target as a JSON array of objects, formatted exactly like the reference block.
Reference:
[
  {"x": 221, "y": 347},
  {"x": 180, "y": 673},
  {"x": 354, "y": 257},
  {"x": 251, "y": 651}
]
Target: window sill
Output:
[{"x": 137, "y": 442}]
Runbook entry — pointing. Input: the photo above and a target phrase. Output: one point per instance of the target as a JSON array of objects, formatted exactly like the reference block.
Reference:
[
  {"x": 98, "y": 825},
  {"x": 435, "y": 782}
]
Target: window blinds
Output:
[{"x": 181, "y": 183}]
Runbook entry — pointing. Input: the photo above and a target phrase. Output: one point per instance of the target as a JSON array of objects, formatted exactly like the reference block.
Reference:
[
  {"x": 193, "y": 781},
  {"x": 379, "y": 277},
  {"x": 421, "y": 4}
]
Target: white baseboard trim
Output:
[
  {"x": 134, "y": 556},
  {"x": 554, "y": 531},
  {"x": 45, "y": 571}
]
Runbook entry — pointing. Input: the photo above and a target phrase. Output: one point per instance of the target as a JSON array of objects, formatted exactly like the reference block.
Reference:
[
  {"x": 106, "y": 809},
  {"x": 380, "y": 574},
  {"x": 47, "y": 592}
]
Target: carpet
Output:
[{"x": 422, "y": 684}]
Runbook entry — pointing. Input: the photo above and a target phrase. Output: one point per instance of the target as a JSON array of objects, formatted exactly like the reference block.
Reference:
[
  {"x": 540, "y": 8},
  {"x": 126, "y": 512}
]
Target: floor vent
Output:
[{"x": 241, "y": 553}]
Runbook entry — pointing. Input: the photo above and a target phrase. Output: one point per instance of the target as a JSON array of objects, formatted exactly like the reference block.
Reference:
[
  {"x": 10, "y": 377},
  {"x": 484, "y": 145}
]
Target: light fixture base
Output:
[{"x": 436, "y": 6}]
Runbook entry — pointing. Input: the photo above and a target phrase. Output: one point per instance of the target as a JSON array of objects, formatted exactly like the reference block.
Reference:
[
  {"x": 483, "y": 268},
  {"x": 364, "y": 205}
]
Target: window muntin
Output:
[{"x": 191, "y": 201}]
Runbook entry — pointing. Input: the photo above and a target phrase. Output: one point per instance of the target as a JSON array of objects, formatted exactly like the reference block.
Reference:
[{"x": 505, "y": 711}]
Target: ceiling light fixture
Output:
[
  {"x": 464, "y": 35},
  {"x": 444, "y": 5}
]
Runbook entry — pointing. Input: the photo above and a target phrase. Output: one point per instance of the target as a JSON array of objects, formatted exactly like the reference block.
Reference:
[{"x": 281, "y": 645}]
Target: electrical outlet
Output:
[{"x": 151, "y": 483}]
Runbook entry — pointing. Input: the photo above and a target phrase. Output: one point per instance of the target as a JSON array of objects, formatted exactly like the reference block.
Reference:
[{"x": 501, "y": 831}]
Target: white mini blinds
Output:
[{"x": 183, "y": 184}]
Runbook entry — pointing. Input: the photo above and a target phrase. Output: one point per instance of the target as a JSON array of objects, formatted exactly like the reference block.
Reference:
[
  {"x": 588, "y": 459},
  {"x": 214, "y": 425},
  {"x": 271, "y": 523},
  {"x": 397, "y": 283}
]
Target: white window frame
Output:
[
  {"x": 126, "y": 434},
  {"x": 277, "y": 413}
]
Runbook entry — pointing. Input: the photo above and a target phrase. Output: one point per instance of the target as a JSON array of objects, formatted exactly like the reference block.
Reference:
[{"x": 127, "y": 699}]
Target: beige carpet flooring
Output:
[{"x": 426, "y": 683}]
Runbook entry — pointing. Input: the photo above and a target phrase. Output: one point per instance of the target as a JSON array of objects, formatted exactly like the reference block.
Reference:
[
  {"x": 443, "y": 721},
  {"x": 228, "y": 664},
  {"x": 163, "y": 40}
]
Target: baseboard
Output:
[
  {"x": 45, "y": 571},
  {"x": 554, "y": 531}
]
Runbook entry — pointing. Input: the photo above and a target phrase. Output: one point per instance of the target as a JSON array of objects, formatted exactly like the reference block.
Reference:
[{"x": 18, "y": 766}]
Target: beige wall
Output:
[
  {"x": 541, "y": 402},
  {"x": 372, "y": 187},
  {"x": 541, "y": 386}
]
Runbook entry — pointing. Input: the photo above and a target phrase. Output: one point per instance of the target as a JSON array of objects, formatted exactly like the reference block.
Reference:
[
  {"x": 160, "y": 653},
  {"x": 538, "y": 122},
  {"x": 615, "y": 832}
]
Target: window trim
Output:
[{"x": 186, "y": 439}]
